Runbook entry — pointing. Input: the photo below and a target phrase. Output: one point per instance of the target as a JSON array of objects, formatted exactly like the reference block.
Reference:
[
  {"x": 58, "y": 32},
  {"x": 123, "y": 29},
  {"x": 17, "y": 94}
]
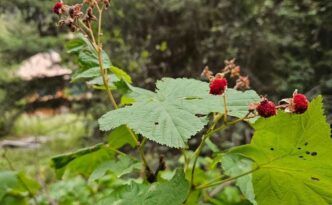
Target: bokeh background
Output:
[{"x": 282, "y": 45}]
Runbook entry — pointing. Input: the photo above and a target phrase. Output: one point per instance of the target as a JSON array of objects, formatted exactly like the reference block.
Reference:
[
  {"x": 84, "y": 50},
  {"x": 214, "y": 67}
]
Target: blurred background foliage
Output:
[{"x": 282, "y": 45}]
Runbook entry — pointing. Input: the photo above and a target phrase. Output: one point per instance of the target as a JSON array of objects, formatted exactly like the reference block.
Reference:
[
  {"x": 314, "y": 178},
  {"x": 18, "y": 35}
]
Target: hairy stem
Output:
[{"x": 99, "y": 49}]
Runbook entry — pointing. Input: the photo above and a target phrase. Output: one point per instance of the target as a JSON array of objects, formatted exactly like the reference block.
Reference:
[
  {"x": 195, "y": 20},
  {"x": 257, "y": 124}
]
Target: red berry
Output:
[
  {"x": 266, "y": 108},
  {"x": 218, "y": 86},
  {"x": 300, "y": 103},
  {"x": 57, "y": 8}
]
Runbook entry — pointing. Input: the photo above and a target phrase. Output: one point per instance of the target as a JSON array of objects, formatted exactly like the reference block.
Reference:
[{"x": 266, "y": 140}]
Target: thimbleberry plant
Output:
[{"x": 288, "y": 160}]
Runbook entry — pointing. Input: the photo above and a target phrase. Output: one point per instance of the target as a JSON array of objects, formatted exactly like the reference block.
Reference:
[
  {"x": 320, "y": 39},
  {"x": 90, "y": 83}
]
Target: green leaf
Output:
[
  {"x": 293, "y": 155},
  {"x": 161, "y": 193},
  {"x": 130, "y": 194},
  {"x": 122, "y": 87},
  {"x": 18, "y": 183},
  {"x": 114, "y": 83},
  {"x": 124, "y": 165},
  {"x": 126, "y": 100},
  {"x": 235, "y": 165},
  {"x": 120, "y": 137},
  {"x": 98, "y": 81},
  {"x": 87, "y": 55},
  {"x": 121, "y": 74},
  {"x": 14, "y": 200},
  {"x": 83, "y": 161},
  {"x": 88, "y": 59},
  {"x": 169, "y": 116},
  {"x": 90, "y": 73},
  {"x": 174, "y": 191},
  {"x": 77, "y": 44}
]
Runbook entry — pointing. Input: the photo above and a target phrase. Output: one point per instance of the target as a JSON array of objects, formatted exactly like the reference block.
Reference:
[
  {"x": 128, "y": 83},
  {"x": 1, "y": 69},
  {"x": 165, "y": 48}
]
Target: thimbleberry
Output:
[
  {"x": 218, "y": 86},
  {"x": 300, "y": 103},
  {"x": 266, "y": 108},
  {"x": 58, "y": 8}
]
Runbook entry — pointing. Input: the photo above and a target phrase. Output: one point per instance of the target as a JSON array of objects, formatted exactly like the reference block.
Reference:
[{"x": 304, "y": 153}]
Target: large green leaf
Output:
[
  {"x": 292, "y": 154},
  {"x": 161, "y": 193},
  {"x": 83, "y": 161},
  {"x": 169, "y": 116}
]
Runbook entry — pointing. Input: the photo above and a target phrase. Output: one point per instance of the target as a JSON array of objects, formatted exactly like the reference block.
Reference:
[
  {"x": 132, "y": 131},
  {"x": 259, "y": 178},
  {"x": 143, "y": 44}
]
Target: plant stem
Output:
[
  {"x": 141, "y": 152},
  {"x": 225, "y": 108},
  {"x": 208, "y": 185},
  {"x": 209, "y": 133},
  {"x": 99, "y": 49},
  {"x": 200, "y": 146},
  {"x": 186, "y": 160}
]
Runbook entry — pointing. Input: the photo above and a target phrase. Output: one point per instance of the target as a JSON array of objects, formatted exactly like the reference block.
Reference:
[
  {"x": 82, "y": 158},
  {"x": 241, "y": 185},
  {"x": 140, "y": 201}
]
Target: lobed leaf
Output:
[
  {"x": 292, "y": 153},
  {"x": 170, "y": 115}
]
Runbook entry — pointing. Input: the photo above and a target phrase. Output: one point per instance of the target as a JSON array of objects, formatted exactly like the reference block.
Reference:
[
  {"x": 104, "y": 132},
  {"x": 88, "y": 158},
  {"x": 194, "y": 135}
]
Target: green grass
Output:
[
  {"x": 64, "y": 133},
  {"x": 59, "y": 126}
]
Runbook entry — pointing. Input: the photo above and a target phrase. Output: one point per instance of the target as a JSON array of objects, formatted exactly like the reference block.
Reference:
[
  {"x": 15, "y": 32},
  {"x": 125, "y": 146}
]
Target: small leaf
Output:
[
  {"x": 12, "y": 182},
  {"x": 78, "y": 44},
  {"x": 98, "y": 81},
  {"x": 88, "y": 59},
  {"x": 169, "y": 192},
  {"x": 120, "y": 137},
  {"x": 172, "y": 192},
  {"x": 132, "y": 194},
  {"x": 87, "y": 55},
  {"x": 90, "y": 73},
  {"x": 126, "y": 100},
  {"x": 121, "y": 74},
  {"x": 124, "y": 165},
  {"x": 76, "y": 162}
]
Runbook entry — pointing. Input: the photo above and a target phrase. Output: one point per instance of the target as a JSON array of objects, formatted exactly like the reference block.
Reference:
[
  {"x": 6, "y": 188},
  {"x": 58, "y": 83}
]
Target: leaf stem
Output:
[
  {"x": 206, "y": 136},
  {"x": 225, "y": 108},
  {"x": 208, "y": 185},
  {"x": 141, "y": 152},
  {"x": 197, "y": 152}
]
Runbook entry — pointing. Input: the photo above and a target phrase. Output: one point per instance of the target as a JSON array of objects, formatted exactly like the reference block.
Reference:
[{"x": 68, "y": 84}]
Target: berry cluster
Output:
[
  {"x": 72, "y": 15},
  {"x": 218, "y": 83},
  {"x": 297, "y": 104}
]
